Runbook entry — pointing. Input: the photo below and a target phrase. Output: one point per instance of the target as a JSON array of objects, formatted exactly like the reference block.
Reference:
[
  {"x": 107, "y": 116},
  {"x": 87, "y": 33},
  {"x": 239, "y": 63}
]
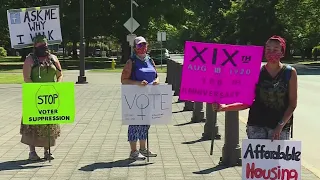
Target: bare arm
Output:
[
  {"x": 229, "y": 107},
  {"x": 156, "y": 80},
  {"x": 235, "y": 107},
  {"x": 59, "y": 74},
  {"x": 293, "y": 96},
  {"x": 27, "y": 67},
  {"x": 126, "y": 73}
]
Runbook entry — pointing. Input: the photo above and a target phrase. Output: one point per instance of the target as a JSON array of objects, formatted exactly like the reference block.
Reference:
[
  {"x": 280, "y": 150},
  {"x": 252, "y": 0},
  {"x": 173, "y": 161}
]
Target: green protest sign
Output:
[{"x": 48, "y": 103}]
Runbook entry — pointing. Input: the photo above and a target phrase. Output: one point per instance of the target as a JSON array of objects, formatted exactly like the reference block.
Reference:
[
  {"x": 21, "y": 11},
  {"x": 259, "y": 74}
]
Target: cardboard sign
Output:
[
  {"x": 278, "y": 160},
  {"x": 26, "y": 23},
  {"x": 220, "y": 73},
  {"x": 48, "y": 103},
  {"x": 147, "y": 105}
]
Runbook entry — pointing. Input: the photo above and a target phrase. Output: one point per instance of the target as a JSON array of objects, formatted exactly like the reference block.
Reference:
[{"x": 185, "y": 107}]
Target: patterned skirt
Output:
[{"x": 37, "y": 135}]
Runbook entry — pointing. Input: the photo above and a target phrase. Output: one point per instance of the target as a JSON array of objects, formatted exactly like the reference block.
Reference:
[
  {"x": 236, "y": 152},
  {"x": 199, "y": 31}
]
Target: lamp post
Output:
[{"x": 82, "y": 78}]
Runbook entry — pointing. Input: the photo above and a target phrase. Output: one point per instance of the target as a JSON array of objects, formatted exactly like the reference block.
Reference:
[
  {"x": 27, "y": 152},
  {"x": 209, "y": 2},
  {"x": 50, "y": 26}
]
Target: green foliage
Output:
[
  {"x": 223, "y": 21},
  {"x": 316, "y": 51},
  {"x": 3, "y": 52},
  {"x": 302, "y": 23}
]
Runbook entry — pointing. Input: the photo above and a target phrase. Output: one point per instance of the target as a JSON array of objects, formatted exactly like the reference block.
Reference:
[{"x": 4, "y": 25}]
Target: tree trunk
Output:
[
  {"x": 87, "y": 47},
  {"x": 288, "y": 55},
  {"x": 302, "y": 54},
  {"x": 74, "y": 50},
  {"x": 125, "y": 50}
]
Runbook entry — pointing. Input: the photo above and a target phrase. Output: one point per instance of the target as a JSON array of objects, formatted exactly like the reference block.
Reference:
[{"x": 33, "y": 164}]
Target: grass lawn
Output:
[
  {"x": 13, "y": 59},
  {"x": 2, "y": 71},
  {"x": 119, "y": 70},
  {"x": 10, "y": 59},
  {"x": 11, "y": 78}
]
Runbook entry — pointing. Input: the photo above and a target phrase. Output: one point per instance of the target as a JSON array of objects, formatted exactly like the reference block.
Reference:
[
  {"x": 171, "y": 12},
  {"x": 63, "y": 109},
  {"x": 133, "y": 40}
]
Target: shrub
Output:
[
  {"x": 316, "y": 51},
  {"x": 3, "y": 52}
]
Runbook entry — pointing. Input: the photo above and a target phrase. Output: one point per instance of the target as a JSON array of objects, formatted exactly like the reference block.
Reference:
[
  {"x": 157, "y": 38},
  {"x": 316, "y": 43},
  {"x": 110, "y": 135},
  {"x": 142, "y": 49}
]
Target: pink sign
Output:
[{"x": 220, "y": 73}]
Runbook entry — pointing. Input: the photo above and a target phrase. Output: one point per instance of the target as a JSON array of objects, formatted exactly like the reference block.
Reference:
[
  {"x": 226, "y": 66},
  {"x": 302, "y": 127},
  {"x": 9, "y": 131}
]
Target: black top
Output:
[{"x": 271, "y": 101}]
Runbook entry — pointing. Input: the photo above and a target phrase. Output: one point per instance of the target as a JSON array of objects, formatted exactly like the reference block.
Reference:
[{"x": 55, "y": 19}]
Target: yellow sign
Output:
[{"x": 48, "y": 103}]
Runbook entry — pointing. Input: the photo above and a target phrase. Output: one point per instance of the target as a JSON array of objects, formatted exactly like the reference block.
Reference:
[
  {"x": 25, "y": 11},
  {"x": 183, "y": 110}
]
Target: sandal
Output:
[{"x": 33, "y": 156}]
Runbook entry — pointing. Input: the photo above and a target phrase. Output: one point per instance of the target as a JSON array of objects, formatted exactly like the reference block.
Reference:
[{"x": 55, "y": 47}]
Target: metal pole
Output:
[
  {"x": 168, "y": 72},
  {"x": 178, "y": 79},
  {"x": 231, "y": 151},
  {"x": 161, "y": 47},
  {"x": 148, "y": 146},
  {"x": 188, "y": 106},
  {"x": 82, "y": 78},
  {"x": 198, "y": 113},
  {"x": 211, "y": 129},
  {"x": 131, "y": 14},
  {"x": 49, "y": 137},
  {"x": 174, "y": 70},
  {"x": 61, "y": 21},
  {"x": 131, "y": 11}
]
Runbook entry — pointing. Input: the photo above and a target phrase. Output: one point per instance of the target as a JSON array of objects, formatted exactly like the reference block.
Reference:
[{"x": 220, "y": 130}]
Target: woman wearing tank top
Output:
[
  {"x": 271, "y": 114},
  {"x": 40, "y": 67},
  {"x": 139, "y": 70}
]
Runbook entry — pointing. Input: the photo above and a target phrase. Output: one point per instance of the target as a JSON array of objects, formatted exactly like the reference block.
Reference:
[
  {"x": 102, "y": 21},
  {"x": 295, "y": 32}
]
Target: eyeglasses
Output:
[{"x": 141, "y": 45}]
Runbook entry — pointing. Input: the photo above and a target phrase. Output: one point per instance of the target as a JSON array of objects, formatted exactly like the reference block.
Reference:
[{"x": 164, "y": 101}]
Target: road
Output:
[{"x": 306, "y": 119}]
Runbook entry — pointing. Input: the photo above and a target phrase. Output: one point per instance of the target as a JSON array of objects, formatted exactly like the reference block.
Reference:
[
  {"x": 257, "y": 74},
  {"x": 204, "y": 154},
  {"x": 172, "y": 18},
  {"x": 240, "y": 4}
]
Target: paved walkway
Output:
[{"x": 95, "y": 146}]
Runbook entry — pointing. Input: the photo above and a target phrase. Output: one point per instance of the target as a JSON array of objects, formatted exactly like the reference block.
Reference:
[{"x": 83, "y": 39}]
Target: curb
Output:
[{"x": 309, "y": 167}]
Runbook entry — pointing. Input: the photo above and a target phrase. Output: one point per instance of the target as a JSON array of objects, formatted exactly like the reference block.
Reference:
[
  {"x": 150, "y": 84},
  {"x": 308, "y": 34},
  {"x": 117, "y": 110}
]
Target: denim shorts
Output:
[{"x": 255, "y": 132}]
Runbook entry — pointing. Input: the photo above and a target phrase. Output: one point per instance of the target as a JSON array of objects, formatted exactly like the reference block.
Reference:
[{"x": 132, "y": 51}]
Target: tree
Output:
[{"x": 301, "y": 25}]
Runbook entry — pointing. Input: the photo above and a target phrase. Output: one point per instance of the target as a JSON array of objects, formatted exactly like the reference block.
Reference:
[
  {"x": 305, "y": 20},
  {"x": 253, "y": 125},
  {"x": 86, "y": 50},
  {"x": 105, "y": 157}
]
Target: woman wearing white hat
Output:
[{"x": 139, "y": 70}]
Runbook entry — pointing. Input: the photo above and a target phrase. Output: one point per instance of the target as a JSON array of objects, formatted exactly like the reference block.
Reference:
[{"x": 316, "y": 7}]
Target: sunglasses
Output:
[{"x": 141, "y": 45}]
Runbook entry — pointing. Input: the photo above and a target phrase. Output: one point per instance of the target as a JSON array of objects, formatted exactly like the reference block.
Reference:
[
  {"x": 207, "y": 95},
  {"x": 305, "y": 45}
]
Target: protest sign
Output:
[
  {"x": 146, "y": 105},
  {"x": 278, "y": 160},
  {"x": 26, "y": 23},
  {"x": 220, "y": 73},
  {"x": 48, "y": 103}
]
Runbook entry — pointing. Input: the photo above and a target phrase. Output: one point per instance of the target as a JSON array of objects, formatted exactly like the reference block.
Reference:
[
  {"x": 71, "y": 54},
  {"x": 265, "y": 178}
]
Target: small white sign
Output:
[
  {"x": 26, "y": 23},
  {"x": 130, "y": 39},
  {"x": 104, "y": 54},
  {"x": 131, "y": 25},
  {"x": 263, "y": 159},
  {"x": 151, "y": 104},
  {"x": 161, "y": 36}
]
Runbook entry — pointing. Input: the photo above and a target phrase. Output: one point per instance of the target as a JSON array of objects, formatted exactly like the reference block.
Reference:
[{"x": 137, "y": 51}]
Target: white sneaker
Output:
[
  {"x": 136, "y": 155},
  {"x": 147, "y": 153}
]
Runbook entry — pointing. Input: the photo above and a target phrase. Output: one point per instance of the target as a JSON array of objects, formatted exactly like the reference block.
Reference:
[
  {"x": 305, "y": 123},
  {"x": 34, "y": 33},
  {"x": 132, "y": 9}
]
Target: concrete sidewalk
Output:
[{"x": 96, "y": 147}]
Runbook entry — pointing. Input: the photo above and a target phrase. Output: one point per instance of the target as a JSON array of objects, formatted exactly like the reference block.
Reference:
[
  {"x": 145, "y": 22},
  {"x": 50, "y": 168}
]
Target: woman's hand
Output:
[
  {"x": 155, "y": 83},
  {"x": 218, "y": 107},
  {"x": 276, "y": 132},
  {"x": 143, "y": 83}
]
